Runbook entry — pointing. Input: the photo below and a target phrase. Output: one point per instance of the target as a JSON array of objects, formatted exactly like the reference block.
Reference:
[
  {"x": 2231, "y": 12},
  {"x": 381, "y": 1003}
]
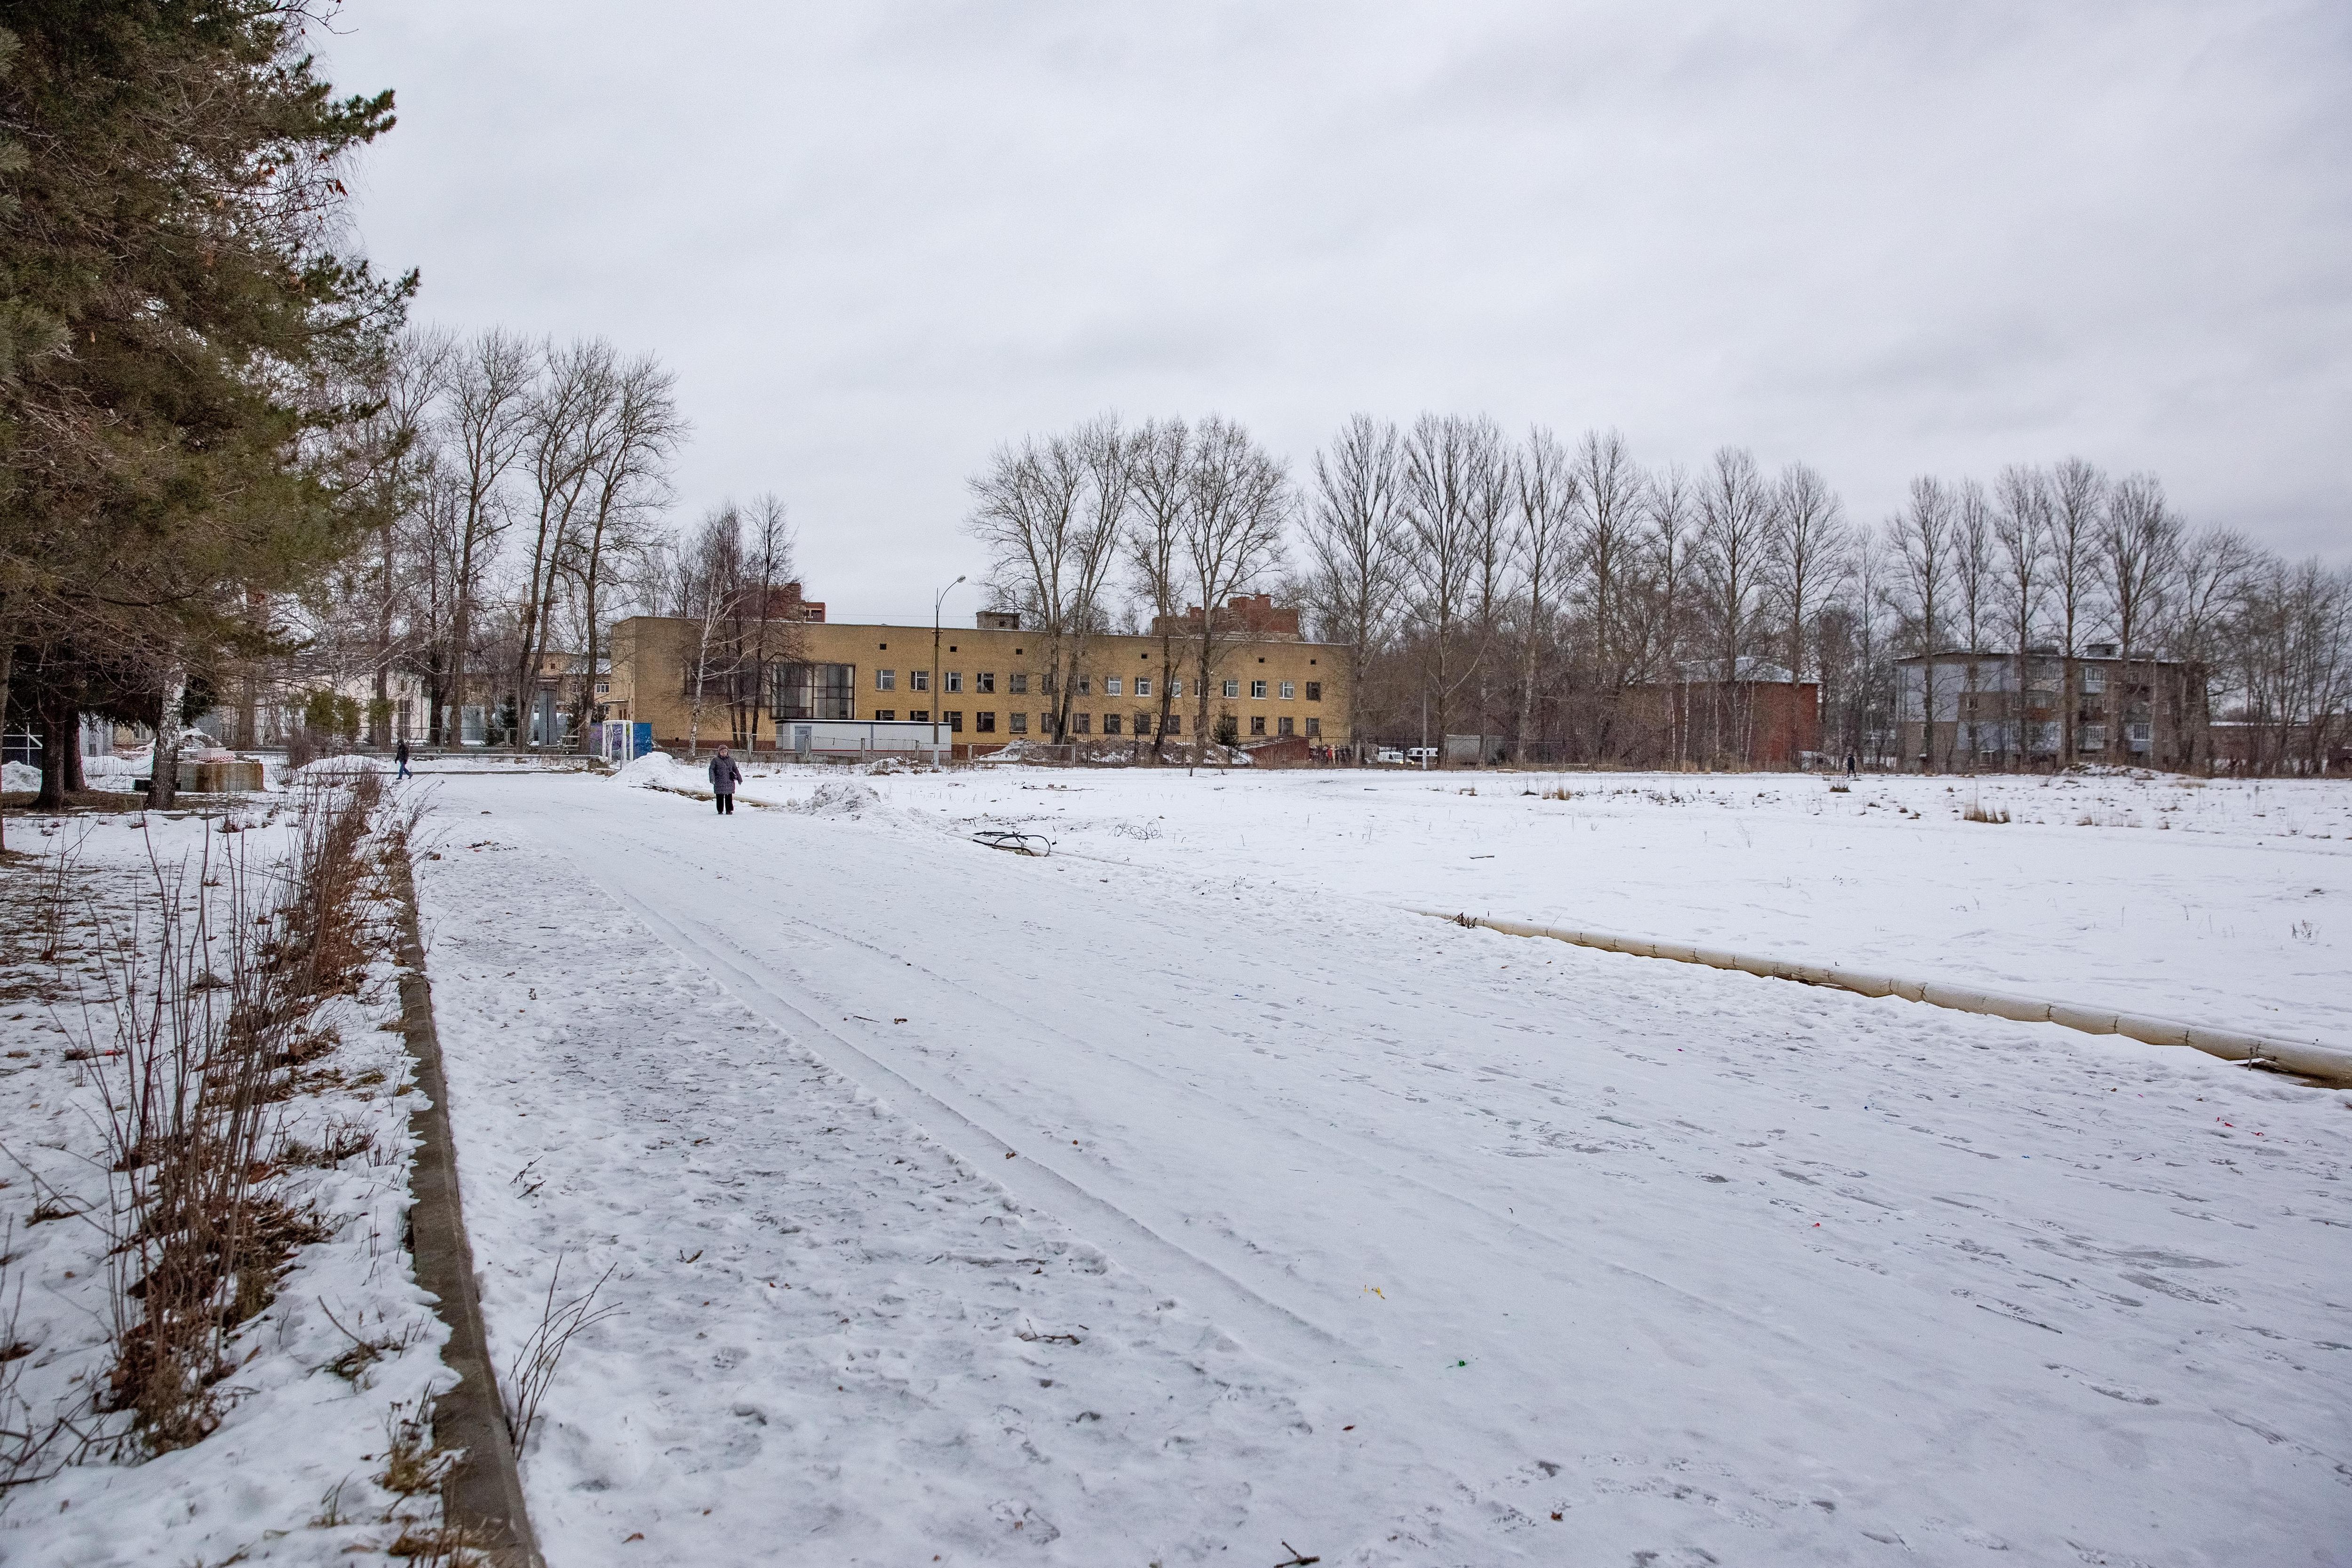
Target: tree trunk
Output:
[
  {"x": 7, "y": 669},
  {"x": 54, "y": 731},
  {"x": 163, "y": 787}
]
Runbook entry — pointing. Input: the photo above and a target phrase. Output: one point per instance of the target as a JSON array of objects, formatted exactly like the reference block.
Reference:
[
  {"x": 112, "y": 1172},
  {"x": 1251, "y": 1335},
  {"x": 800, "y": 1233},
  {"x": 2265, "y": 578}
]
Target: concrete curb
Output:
[
  {"x": 483, "y": 1495},
  {"x": 2305, "y": 1057}
]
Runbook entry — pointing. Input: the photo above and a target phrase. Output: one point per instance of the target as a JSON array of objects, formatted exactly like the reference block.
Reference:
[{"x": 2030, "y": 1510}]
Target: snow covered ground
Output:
[
  {"x": 349, "y": 1346},
  {"x": 1179, "y": 1199}
]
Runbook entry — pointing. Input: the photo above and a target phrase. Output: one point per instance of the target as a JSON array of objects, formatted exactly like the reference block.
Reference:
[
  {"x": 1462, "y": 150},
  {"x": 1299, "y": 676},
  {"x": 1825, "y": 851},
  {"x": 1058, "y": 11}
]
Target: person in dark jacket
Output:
[
  {"x": 724, "y": 777},
  {"x": 400, "y": 756}
]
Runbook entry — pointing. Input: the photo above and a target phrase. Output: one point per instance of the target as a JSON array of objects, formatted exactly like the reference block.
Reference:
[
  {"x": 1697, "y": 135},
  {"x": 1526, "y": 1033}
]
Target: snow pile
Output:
[
  {"x": 837, "y": 798},
  {"x": 1017, "y": 751},
  {"x": 17, "y": 775},
  {"x": 660, "y": 770}
]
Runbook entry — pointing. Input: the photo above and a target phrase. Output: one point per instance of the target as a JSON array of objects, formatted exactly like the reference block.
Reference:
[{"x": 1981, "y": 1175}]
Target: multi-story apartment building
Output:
[
  {"x": 1959, "y": 710},
  {"x": 987, "y": 686}
]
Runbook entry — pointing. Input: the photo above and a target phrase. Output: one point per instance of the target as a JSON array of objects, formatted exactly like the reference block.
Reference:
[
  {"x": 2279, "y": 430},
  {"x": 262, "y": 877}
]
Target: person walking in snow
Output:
[
  {"x": 724, "y": 777},
  {"x": 400, "y": 754}
]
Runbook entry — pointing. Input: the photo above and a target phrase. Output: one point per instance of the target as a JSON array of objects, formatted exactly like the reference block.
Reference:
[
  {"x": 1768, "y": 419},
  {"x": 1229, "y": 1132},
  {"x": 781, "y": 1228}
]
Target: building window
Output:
[
  {"x": 1314, "y": 729},
  {"x": 1086, "y": 686},
  {"x": 984, "y": 681},
  {"x": 806, "y": 691},
  {"x": 1020, "y": 723},
  {"x": 1082, "y": 722},
  {"x": 1110, "y": 723},
  {"x": 955, "y": 722},
  {"x": 1018, "y": 684},
  {"x": 1257, "y": 723},
  {"x": 1143, "y": 724},
  {"x": 1175, "y": 724},
  {"x": 1288, "y": 691},
  {"x": 2094, "y": 679},
  {"x": 919, "y": 680},
  {"x": 918, "y": 715},
  {"x": 1113, "y": 687},
  {"x": 603, "y": 688},
  {"x": 2091, "y": 737},
  {"x": 1257, "y": 688},
  {"x": 1175, "y": 689},
  {"x": 1143, "y": 685},
  {"x": 885, "y": 716},
  {"x": 885, "y": 680},
  {"x": 1232, "y": 689},
  {"x": 955, "y": 680},
  {"x": 1282, "y": 725},
  {"x": 984, "y": 723},
  {"x": 1315, "y": 691}
]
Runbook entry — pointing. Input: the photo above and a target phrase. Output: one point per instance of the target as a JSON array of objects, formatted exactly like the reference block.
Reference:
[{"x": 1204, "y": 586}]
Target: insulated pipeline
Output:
[{"x": 2306, "y": 1056}]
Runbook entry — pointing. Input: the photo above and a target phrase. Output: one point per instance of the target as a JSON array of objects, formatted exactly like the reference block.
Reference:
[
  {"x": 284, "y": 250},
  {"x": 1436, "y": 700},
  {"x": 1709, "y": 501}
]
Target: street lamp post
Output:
[{"x": 940, "y": 600}]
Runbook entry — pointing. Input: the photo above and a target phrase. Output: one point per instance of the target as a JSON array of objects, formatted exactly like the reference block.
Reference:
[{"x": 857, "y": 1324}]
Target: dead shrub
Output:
[
  {"x": 1981, "y": 813},
  {"x": 206, "y": 1032}
]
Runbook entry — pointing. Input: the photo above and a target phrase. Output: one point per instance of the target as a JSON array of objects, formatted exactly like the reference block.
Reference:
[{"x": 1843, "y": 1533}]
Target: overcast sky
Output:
[{"x": 875, "y": 241}]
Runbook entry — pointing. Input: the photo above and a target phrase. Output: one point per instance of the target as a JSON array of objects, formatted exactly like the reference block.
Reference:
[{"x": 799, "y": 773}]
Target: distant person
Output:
[
  {"x": 724, "y": 777},
  {"x": 1849, "y": 764},
  {"x": 400, "y": 756}
]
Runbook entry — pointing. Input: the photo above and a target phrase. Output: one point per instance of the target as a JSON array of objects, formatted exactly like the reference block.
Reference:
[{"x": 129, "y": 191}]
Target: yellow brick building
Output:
[{"x": 990, "y": 684}]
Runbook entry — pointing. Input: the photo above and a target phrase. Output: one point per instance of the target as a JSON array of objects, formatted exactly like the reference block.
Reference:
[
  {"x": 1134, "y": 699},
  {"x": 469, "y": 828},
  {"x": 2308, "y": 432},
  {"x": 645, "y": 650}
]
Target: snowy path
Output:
[{"x": 1391, "y": 1241}]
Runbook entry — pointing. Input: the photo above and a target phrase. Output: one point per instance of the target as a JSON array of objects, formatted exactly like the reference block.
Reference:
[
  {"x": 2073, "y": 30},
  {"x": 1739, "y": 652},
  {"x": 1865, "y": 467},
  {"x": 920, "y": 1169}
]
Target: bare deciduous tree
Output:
[
  {"x": 1236, "y": 513},
  {"x": 1545, "y": 483},
  {"x": 1805, "y": 558},
  {"x": 1353, "y": 541},
  {"x": 1922, "y": 536}
]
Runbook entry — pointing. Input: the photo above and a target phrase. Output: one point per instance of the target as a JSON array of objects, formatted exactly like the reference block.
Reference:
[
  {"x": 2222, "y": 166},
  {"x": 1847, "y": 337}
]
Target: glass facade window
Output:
[{"x": 806, "y": 692}]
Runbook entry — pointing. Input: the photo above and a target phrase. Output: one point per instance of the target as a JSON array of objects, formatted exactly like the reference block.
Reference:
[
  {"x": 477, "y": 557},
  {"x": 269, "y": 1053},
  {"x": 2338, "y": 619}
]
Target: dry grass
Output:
[
  {"x": 1975, "y": 813},
  {"x": 208, "y": 1032}
]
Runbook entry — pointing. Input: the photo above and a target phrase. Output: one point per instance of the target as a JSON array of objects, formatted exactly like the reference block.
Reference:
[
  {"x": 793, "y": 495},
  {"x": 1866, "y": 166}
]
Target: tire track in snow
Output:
[{"x": 965, "y": 1131}]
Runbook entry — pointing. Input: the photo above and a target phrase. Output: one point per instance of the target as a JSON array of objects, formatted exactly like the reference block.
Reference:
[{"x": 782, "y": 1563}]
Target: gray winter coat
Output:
[{"x": 724, "y": 776}]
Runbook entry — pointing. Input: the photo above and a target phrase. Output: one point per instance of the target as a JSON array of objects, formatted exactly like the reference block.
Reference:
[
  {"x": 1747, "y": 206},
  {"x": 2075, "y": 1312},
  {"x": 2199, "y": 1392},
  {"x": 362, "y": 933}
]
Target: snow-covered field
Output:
[{"x": 1181, "y": 1197}]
